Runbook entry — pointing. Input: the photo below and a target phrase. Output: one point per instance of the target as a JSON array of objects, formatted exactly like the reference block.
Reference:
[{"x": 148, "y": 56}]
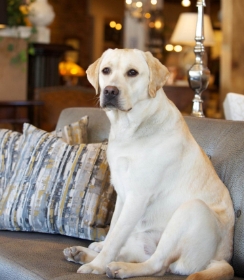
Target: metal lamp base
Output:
[
  {"x": 197, "y": 109},
  {"x": 198, "y": 75}
]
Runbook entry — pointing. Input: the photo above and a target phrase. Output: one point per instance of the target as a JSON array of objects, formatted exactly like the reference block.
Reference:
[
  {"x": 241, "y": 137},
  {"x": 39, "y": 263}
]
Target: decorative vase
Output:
[{"x": 41, "y": 13}]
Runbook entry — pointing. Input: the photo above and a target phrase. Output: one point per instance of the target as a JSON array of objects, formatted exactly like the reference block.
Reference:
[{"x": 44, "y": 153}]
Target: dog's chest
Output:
[
  {"x": 122, "y": 159},
  {"x": 132, "y": 166},
  {"x": 120, "y": 162}
]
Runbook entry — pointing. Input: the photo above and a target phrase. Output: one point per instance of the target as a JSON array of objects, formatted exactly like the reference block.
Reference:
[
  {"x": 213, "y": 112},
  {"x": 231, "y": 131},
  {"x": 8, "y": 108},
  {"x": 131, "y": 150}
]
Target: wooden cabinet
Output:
[
  {"x": 182, "y": 97},
  {"x": 13, "y": 114}
]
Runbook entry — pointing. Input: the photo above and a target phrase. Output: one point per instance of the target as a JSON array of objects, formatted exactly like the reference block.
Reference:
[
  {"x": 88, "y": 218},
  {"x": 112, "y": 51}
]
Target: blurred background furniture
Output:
[
  {"x": 182, "y": 97},
  {"x": 43, "y": 70},
  {"x": 14, "y": 113},
  {"x": 55, "y": 99}
]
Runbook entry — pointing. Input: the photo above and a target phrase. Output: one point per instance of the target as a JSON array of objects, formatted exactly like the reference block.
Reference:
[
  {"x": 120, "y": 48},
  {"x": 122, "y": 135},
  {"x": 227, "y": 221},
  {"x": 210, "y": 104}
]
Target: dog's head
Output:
[{"x": 123, "y": 77}]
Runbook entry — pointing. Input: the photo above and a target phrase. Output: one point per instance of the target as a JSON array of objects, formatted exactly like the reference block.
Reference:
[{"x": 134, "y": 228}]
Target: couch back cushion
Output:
[
  {"x": 223, "y": 142},
  {"x": 99, "y": 124}
]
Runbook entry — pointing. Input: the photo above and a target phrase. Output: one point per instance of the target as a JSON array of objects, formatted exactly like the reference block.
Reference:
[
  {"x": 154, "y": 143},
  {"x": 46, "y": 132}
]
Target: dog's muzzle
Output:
[{"x": 110, "y": 97}]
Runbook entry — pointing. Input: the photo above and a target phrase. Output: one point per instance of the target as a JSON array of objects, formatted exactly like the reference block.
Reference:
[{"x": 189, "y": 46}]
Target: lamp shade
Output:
[
  {"x": 3, "y": 13},
  {"x": 69, "y": 68},
  {"x": 185, "y": 30}
]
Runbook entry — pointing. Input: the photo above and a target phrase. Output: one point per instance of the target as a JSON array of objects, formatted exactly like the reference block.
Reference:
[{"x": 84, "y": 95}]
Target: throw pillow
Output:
[
  {"x": 74, "y": 133},
  {"x": 58, "y": 188},
  {"x": 9, "y": 147}
]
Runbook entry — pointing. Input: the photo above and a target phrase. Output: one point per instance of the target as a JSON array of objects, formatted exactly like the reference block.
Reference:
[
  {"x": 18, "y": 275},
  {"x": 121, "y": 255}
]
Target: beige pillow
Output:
[{"x": 74, "y": 133}]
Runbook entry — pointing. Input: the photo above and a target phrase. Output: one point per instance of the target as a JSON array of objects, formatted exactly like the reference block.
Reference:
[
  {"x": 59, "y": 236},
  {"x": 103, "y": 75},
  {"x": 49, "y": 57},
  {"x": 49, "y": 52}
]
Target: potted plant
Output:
[
  {"x": 17, "y": 20},
  {"x": 15, "y": 14},
  {"x": 17, "y": 27}
]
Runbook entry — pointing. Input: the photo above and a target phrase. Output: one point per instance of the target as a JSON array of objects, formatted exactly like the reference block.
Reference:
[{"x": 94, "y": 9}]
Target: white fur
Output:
[{"x": 172, "y": 213}]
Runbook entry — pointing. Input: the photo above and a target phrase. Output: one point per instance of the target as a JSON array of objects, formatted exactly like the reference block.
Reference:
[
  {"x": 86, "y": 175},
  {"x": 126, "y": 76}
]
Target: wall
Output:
[
  {"x": 232, "y": 58},
  {"x": 102, "y": 10},
  {"x": 72, "y": 21},
  {"x": 13, "y": 77},
  {"x": 84, "y": 20}
]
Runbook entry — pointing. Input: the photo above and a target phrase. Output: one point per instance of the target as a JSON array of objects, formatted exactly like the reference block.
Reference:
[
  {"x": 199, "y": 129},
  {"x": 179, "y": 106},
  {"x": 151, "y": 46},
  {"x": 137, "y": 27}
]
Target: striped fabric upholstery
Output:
[
  {"x": 9, "y": 147},
  {"x": 58, "y": 188},
  {"x": 74, "y": 133}
]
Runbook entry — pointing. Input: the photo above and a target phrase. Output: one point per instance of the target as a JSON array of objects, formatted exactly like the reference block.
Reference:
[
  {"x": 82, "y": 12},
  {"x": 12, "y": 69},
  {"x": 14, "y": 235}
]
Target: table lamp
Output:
[
  {"x": 185, "y": 30},
  {"x": 198, "y": 75},
  {"x": 71, "y": 71}
]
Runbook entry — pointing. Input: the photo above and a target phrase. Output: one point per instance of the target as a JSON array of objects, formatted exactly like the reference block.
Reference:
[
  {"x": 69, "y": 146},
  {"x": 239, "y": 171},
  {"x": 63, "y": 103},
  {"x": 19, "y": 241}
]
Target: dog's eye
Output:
[
  {"x": 106, "y": 70},
  {"x": 132, "y": 73}
]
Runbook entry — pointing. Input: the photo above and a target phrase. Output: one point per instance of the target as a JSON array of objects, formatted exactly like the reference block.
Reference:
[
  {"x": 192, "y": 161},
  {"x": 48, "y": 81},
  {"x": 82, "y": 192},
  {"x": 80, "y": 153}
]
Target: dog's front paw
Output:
[
  {"x": 74, "y": 254},
  {"x": 79, "y": 254},
  {"x": 90, "y": 268},
  {"x": 118, "y": 270},
  {"x": 96, "y": 246}
]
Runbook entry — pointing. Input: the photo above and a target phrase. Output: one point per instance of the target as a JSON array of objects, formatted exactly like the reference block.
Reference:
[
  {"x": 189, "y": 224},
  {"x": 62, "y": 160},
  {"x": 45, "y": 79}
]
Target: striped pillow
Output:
[
  {"x": 9, "y": 147},
  {"x": 58, "y": 188}
]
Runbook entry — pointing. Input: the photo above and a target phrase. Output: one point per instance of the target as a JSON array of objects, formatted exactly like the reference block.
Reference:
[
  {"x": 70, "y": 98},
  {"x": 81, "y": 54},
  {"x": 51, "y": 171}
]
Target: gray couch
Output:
[{"x": 25, "y": 256}]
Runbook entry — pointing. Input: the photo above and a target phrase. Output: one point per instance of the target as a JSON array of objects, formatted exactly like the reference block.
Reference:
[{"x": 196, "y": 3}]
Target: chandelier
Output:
[{"x": 141, "y": 9}]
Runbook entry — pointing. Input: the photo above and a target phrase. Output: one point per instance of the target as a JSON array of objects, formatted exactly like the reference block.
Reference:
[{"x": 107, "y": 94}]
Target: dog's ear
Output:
[
  {"x": 158, "y": 74},
  {"x": 93, "y": 72}
]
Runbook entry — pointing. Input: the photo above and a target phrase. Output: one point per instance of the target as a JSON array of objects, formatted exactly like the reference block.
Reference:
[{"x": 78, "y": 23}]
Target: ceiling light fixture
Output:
[
  {"x": 169, "y": 47},
  {"x": 186, "y": 3},
  {"x": 139, "y": 4},
  {"x": 112, "y": 24},
  {"x": 118, "y": 26},
  {"x": 178, "y": 48},
  {"x": 144, "y": 8}
]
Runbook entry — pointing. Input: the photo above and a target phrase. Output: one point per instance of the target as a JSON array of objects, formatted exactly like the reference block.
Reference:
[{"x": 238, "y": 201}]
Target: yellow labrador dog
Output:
[{"x": 173, "y": 213}]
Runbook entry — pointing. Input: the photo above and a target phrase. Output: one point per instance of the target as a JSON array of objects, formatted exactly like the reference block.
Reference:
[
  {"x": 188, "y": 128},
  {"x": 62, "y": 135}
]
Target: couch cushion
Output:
[
  {"x": 34, "y": 256},
  {"x": 58, "y": 188},
  {"x": 223, "y": 141},
  {"x": 29, "y": 256}
]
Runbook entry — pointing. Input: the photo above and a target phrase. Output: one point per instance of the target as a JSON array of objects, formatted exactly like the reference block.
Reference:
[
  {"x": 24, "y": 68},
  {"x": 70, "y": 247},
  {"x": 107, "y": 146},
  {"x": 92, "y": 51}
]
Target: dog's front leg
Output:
[
  {"x": 133, "y": 209},
  {"x": 97, "y": 246}
]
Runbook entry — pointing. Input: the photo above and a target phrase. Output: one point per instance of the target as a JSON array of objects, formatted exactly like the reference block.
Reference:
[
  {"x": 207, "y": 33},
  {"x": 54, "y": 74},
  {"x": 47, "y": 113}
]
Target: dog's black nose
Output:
[
  {"x": 111, "y": 91},
  {"x": 110, "y": 97}
]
